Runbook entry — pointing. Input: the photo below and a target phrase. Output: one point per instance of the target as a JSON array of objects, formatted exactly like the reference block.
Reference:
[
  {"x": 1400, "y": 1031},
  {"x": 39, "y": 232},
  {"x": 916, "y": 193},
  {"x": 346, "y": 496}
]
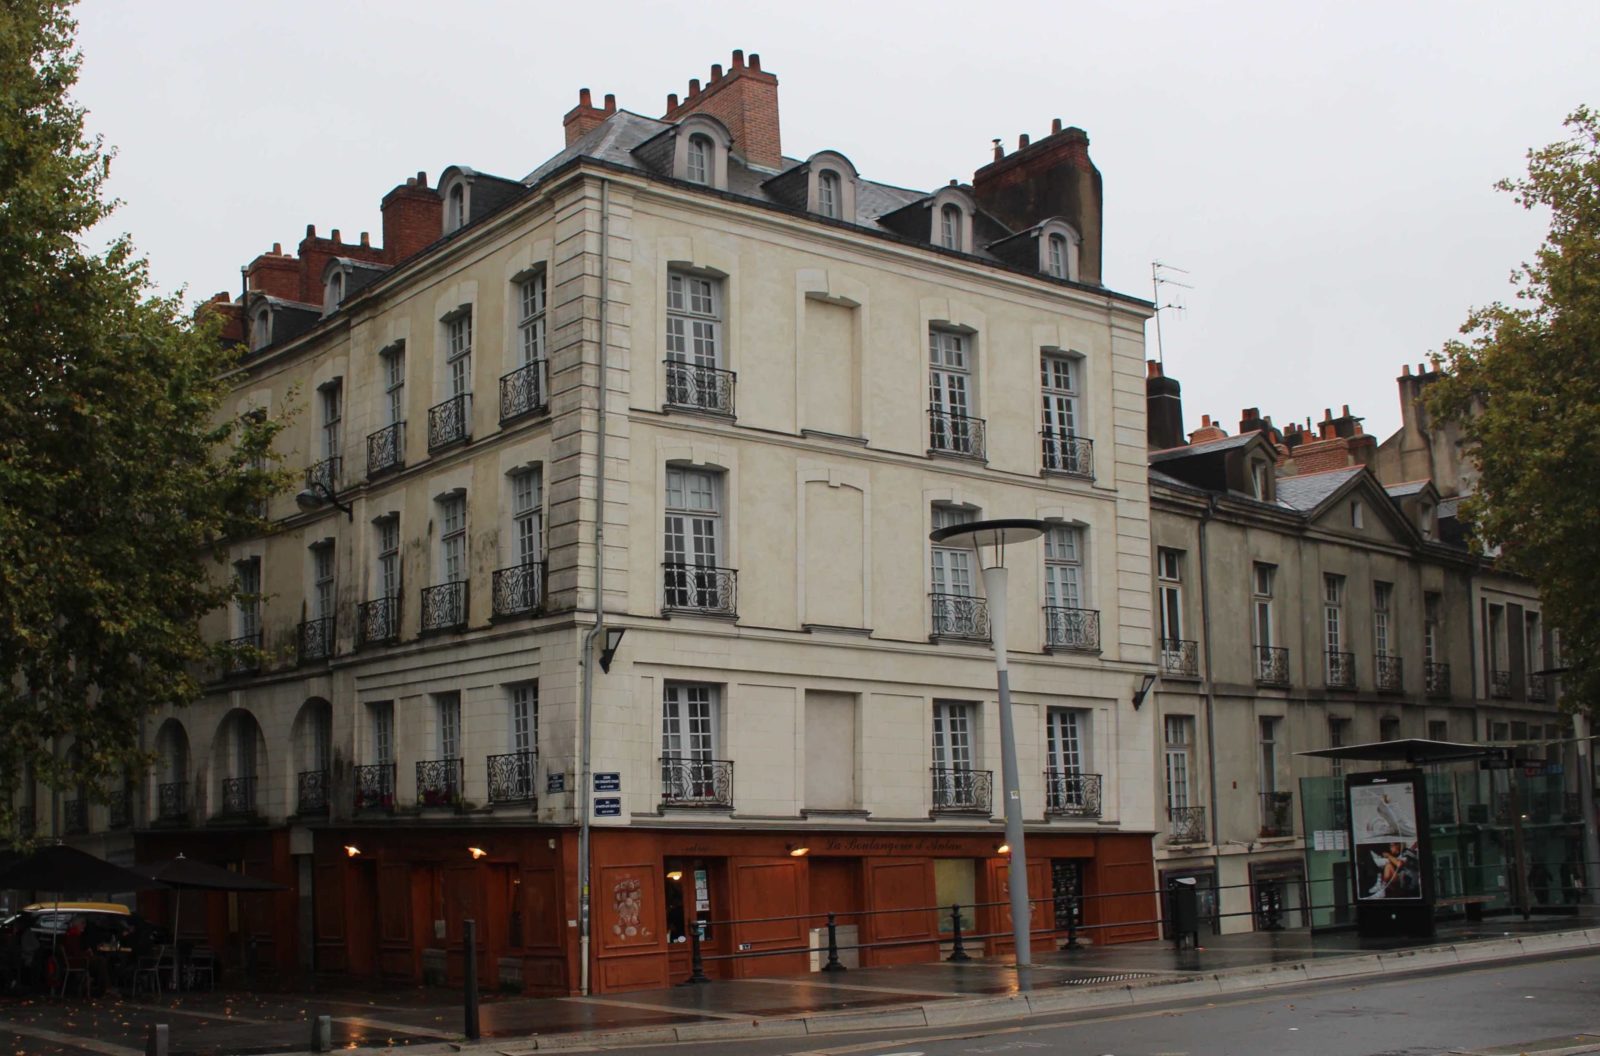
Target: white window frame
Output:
[
  {"x": 694, "y": 319},
  {"x": 1169, "y": 587},
  {"x": 458, "y": 353},
  {"x": 247, "y": 602},
  {"x": 829, "y": 193},
  {"x": 690, "y": 721},
  {"x": 1382, "y": 601},
  {"x": 527, "y": 515},
  {"x": 532, "y": 301},
  {"x": 1177, "y": 754},
  {"x": 383, "y": 746},
  {"x": 699, "y": 159},
  {"x": 455, "y": 208},
  {"x": 388, "y": 556},
  {"x": 452, "y": 538},
  {"x": 950, "y": 567},
  {"x": 954, "y": 744},
  {"x": 394, "y": 382},
  {"x": 332, "y": 398},
  {"x": 523, "y": 708},
  {"x": 1431, "y": 604},
  {"x": 1268, "y": 726},
  {"x": 950, "y": 224},
  {"x": 447, "y": 712},
  {"x": 952, "y": 394},
  {"x": 1333, "y": 612},
  {"x": 1061, "y": 397},
  {"x": 1066, "y": 740},
  {"x": 261, "y": 329},
  {"x": 323, "y": 593},
  {"x": 1064, "y": 567},
  {"x": 1262, "y": 579},
  {"x": 333, "y": 291}
]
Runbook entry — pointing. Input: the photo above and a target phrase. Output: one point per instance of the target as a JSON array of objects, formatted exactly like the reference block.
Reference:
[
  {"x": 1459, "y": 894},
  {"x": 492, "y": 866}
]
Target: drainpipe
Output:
[
  {"x": 1205, "y": 627},
  {"x": 586, "y": 706}
]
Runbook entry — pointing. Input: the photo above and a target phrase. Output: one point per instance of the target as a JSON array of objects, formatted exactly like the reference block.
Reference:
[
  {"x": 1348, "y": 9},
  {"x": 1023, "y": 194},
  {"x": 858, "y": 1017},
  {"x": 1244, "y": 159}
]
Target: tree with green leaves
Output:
[
  {"x": 1524, "y": 386},
  {"x": 118, "y": 474}
]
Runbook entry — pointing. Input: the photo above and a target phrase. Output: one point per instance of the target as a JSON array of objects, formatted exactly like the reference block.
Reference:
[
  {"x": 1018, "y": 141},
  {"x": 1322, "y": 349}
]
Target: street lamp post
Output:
[{"x": 989, "y": 539}]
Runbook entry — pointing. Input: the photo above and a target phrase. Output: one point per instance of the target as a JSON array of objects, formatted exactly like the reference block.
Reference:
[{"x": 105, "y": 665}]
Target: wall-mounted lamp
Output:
[
  {"x": 798, "y": 852},
  {"x": 613, "y": 639},
  {"x": 476, "y": 852},
  {"x": 1004, "y": 848},
  {"x": 351, "y": 850},
  {"x": 1143, "y": 691},
  {"x": 675, "y": 875},
  {"x": 317, "y": 492}
]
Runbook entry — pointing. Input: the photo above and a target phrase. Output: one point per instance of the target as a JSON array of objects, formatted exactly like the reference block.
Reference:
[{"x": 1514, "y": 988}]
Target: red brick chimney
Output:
[
  {"x": 745, "y": 98},
  {"x": 1043, "y": 179},
  {"x": 232, "y": 315},
  {"x": 275, "y": 274},
  {"x": 1337, "y": 444},
  {"x": 413, "y": 215},
  {"x": 586, "y": 116},
  {"x": 1208, "y": 431}
]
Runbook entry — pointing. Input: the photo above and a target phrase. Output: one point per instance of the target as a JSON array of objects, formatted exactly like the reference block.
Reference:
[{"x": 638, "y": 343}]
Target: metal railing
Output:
[
  {"x": 444, "y": 607},
  {"x": 511, "y": 777},
  {"x": 1436, "y": 679},
  {"x": 1074, "y": 629},
  {"x": 1070, "y": 794},
  {"x": 698, "y": 388},
  {"x": 75, "y": 816},
  {"x": 692, "y": 782},
  {"x": 311, "y": 792},
  {"x": 1180, "y": 658},
  {"x": 238, "y": 797},
  {"x": 1500, "y": 685},
  {"x": 386, "y": 449},
  {"x": 519, "y": 590},
  {"x": 1073, "y": 455},
  {"x": 172, "y": 801},
  {"x": 316, "y": 639},
  {"x": 959, "y": 616},
  {"x": 1272, "y": 665},
  {"x": 1277, "y": 813},
  {"x": 326, "y": 472},
  {"x": 247, "y": 657},
  {"x": 956, "y": 434},
  {"x": 1390, "y": 673},
  {"x": 1538, "y": 688},
  {"x": 119, "y": 809},
  {"x": 439, "y": 782},
  {"x": 1340, "y": 669},
  {"x": 374, "y": 787},
  {"x": 448, "y": 422},
  {"x": 1186, "y": 825},
  {"x": 522, "y": 391},
  {"x": 379, "y": 620},
  {"x": 961, "y": 791},
  {"x": 699, "y": 588}
]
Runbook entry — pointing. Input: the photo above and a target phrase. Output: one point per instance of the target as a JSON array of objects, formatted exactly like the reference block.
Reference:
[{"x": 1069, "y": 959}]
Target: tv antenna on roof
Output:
[{"x": 1161, "y": 275}]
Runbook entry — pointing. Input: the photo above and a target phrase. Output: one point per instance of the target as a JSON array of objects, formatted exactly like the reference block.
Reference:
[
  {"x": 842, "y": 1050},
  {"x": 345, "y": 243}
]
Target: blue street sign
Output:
[
  {"x": 555, "y": 782},
  {"x": 611, "y": 782},
  {"x": 610, "y": 807}
]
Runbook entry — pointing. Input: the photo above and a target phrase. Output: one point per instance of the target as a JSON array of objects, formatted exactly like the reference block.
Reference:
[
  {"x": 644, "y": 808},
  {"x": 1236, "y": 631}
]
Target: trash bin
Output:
[{"x": 1183, "y": 915}]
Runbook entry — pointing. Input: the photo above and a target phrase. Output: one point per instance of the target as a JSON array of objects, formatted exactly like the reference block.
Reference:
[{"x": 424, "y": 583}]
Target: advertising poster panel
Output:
[{"x": 1387, "y": 849}]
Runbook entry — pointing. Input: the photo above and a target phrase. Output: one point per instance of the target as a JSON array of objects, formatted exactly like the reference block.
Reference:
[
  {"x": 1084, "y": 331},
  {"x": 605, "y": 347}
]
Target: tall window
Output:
[
  {"x": 1333, "y": 613},
  {"x": 382, "y": 731},
  {"x": 525, "y": 717},
  {"x": 1169, "y": 580},
  {"x": 1430, "y": 627},
  {"x": 1260, "y": 478},
  {"x": 458, "y": 352},
  {"x": 1063, "y": 746},
  {"x": 394, "y": 383},
  {"x": 689, "y": 722},
  {"x": 692, "y": 539},
  {"x": 527, "y": 515},
  {"x": 1382, "y": 596},
  {"x": 334, "y": 292},
  {"x": 1063, "y": 567},
  {"x": 952, "y": 735},
  {"x": 1269, "y": 754},
  {"x": 1058, "y": 256},
  {"x": 531, "y": 327},
  {"x": 1356, "y": 518},
  {"x": 951, "y": 571},
  {"x": 389, "y": 557},
  {"x": 1336, "y": 739},
  {"x": 453, "y": 538},
  {"x": 1059, "y": 388},
  {"x": 448, "y": 707},
  {"x": 456, "y": 209},
  {"x": 332, "y": 414},
  {"x": 261, "y": 329},
  {"x": 697, "y": 160},
  {"x": 950, "y": 227},
  {"x": 950, "y": 391},
  {"x": 247, "y": 605},
  {"x": 828, "y": 193},
  {"x": 1262, "y": 576},
  {"x": 322, "y": 594},
  {"x": 694, "y": 337},
  {"x": 1179, "y": 731}
]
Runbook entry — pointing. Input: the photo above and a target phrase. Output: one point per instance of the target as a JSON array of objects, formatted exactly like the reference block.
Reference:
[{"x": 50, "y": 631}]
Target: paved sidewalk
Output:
[{"x": 428, "y": 1020}]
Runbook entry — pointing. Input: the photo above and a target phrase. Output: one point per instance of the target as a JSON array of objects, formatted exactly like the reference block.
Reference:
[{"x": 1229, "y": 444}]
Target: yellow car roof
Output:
[{"x": 77, "y": 907}]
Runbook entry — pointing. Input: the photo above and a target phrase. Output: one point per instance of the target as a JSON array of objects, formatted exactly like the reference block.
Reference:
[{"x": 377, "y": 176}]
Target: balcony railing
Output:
[
  {"x": 238, "y": 797},
  {"x": 1073, "y": 455},
  {"x": 316, "y": 639},
  {"x": 380, "y": 620},
  {"x": 1073, "y": 629},
  {"x": 172, "y": 801},
  {"x": 522, "y": 392},
  {"x": 961, "y": 791},
  {"x": 519, "y": 590},
  {"x": 1186, "y": 825},
  {"x": 1436, "y": 679},
  {"x": 1272, "y": 665},
  {"x": 696, "y": 782},
  {"x": 959, "y": 616},
  {"x": 448, "y": 422},
  {"x": 311, "y": 792},
  {"x": 439, "y": 783},
  {"x": 698, "y": 388},
  {"x": 511, "y": 777},
  {"x": 386, "y": 449},
  {"x": 444, "y": 607},
  {"x": 956, "y": 434},
  {"x": 1070, "y": 794},
  {"x": 699, "y": 588},
  {"x": 1340, "y": 669},
  {"x": 1500, "y": 685},
  {"x": 326, "y": 472},
  {"x": 374, "y": 788},
  {"x": 1180, "y": 658},
  {"x": 119, "y": 809},
  {"x": 1390, "y": 673},
  {"x": 1538, "y": 689},
  {"x": 1277, "y": 813},
  {"x": 247, "y": 661},
  {"x": 75, "y": 816}
]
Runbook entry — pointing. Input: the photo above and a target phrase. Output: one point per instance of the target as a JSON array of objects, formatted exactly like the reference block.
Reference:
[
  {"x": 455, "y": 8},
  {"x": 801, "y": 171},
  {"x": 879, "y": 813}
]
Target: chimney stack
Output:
[
  {"x": 586, "y": 116},
  {"x": 745, "y": 98},
  {"x": 1164, "y": 403},
  {"x": 413, "y": 214}
]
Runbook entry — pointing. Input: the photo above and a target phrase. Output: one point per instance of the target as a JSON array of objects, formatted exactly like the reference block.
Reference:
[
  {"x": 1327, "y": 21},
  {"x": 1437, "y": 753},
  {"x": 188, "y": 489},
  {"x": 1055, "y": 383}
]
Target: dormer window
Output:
[
  {"x": 455, "y": 210},
  {"x": 1425, "y": 520},
  {"x": 1058, "y": 256},
  {"x": 1259, "y": 480},
  {"x": 1058, "y": 250},
  {"x": 828, "y": 194},
  {"x": 333, "y": 292},
  {"x": 697, "y": 162},
  {"x": 950, "y": 227},
  {"x": 261, "y": 329}
]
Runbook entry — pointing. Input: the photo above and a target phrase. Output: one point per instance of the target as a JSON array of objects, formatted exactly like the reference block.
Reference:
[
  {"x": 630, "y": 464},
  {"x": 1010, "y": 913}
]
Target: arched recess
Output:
[
  {"x": 172, "y": 792},
  {"x": 238, "y": 766},
  {"x": 313, "y": 756}
]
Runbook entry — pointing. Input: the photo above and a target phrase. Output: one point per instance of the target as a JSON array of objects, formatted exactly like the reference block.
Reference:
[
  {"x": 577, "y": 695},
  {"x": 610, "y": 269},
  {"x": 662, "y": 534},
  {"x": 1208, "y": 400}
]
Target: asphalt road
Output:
[{"x": 1525, "y": 1006}]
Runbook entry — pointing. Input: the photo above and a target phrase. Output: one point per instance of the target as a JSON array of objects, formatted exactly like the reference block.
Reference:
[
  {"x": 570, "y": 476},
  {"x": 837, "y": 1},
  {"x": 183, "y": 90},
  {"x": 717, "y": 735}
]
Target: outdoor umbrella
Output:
[
  {"x": 69, "y": 871},
  {"x": 189, "y": 874}
]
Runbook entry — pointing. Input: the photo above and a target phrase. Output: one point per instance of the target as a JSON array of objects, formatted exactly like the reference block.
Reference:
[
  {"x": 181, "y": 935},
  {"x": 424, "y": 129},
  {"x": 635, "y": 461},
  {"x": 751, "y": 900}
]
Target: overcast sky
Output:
[{"x": 1324, "y": 175}]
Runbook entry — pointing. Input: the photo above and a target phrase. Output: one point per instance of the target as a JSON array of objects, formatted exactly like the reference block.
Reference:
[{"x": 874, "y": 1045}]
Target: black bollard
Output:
[
  {"x": 833, "y": 964},
  {"x": 322, "y": 1034},
  {"x": 1072, "y": 924},
  {"x": 470, "y": 971},
  {"x": 157, "y": 1042},
  {"x": 697, "y": 967},
  {"x": 958, "y": 952}
]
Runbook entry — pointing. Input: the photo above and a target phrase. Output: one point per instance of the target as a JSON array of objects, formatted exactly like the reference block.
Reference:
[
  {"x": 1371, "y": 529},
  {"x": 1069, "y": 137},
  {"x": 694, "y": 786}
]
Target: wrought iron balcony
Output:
[
  {"x": 119, "y": 809},
  {"x": 444, "y": 607},
  {"x": 511, "y": 777},
  {"x": 311, "y": 792},
  {"x": 1070, "y": 794},
  {"x": 1390, "y": 673},
  {"x": 960, "y": 791},
  {"x": 1180, "y": 658},
  {"x": 326, "y": 472},
  {"x": 1072, "y": 455},
  {"x": 519, "y": 590},
  {"x": 959, "y": 616},
  {"x": 1500, "y": 685},
  {"x": 1186, "y": 825},
  {"x": 316, "y": 639},
  {"x": 439, "y": 783},
  {"x": 1277, "y": 813},
  {"x": 246, "y": 659},
  {"x": 75, "y": 816},
  {"x": 386, "y": 449},
  {"x": 956, "y": 434},
  {"x": 699, "y": 588},
  {"x": 172, "y": 801},
  {"x": 238, "y": 797},
  {"x": 522, "y": 392},
  {"x": 374, "y": 788},
  {"x": 1077, "y": 630},
  {"x": 1340, "y": 669},
  {"x": 698, "y": 388},
  {"x": 1538, "y": 688},
  {"x": 1436, "y": 679},
  {"x": 1272, "y": 665},
  {"x": 692, "y": 782},
  {"x": 380, "y": 620},
  {"x": 449, "y": 422}
]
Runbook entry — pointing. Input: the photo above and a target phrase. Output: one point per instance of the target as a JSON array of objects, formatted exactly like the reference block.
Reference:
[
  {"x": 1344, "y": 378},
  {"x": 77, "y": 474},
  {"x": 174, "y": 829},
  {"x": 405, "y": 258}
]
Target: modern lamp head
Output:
[
  {"x": 990, "y": 538},
  {"x": 317, "y": 494}
]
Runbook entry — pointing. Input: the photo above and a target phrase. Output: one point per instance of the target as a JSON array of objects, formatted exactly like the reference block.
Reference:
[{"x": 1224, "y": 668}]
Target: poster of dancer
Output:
[{"x": 1385, "y": 845}]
